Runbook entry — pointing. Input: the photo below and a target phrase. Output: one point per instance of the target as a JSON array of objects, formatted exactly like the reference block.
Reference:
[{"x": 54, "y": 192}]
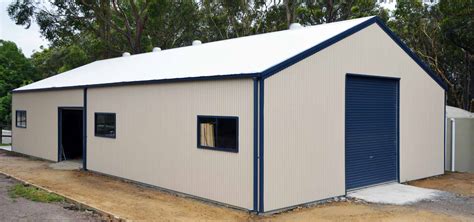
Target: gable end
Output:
[{"x": 291, "y": 61}]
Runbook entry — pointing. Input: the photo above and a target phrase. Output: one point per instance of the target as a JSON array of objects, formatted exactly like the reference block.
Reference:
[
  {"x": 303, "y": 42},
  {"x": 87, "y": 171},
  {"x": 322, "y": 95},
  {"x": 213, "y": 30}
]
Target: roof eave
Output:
[{"x": 144, "y": 82}]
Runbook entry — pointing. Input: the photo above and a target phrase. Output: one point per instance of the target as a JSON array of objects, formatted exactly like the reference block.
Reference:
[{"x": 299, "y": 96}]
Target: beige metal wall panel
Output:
[
  {"x": 156, "y": 140},
  {"x": 40, "y": 138},
  {"x": 304, "y": 119},
  {"x": 464, "y": 141}
]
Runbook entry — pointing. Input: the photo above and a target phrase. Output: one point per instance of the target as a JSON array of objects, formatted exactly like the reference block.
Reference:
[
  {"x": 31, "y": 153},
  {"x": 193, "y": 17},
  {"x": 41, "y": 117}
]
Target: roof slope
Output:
[
  {"x": 258, "y": 55},
  {"x": 239, "y": 56}
]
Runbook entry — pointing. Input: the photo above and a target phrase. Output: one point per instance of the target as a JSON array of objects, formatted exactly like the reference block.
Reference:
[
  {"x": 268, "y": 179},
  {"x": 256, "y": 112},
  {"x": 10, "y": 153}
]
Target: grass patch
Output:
[
  {"x": 4, "y": 144},
  {"x": 33, "y": 194}
]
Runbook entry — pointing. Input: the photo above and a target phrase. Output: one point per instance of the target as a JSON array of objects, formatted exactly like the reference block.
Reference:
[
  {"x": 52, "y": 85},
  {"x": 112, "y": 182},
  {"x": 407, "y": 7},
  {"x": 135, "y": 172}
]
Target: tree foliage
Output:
[
  {"x": 15, "y": 71},
  {"x": 439, "y": 34}
]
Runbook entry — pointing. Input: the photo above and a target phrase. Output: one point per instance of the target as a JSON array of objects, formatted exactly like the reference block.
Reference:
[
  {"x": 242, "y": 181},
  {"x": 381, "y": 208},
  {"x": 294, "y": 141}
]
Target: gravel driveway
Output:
[{"x": 21, "y": 209}]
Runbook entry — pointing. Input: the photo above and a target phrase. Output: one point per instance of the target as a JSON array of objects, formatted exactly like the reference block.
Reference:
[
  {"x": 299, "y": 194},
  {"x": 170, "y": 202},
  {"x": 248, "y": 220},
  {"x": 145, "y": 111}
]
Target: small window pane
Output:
[
  {"x": 227, "y": 133},
  {"x": 20, "y": 118},
  {"x": 218, "y": 133},
  {"x": 105, "y": 125}
]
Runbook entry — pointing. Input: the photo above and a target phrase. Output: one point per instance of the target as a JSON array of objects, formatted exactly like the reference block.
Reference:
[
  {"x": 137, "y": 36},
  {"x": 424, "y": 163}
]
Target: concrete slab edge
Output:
[{"x": 79, "y": 204}]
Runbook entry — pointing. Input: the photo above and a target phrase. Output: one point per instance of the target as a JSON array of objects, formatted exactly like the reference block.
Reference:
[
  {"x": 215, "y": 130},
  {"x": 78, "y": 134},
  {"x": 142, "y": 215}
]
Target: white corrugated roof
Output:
[
  {"x": 454, "y": 112},
  {"x": 245, "y": 55}
]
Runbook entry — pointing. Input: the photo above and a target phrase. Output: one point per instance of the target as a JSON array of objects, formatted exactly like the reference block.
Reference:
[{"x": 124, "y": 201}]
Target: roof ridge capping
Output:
[{"x": 373, "y": 19}]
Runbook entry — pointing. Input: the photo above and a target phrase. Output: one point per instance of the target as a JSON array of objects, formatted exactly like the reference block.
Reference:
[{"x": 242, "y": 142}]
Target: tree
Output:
[
  {"x": 457, "y": 26},
  {"x": 15, "y": 71},
  {"x": 172, "y": 24},
  {"x": 420, "y": 28},
  {"x": 54, "y": 60},
  {"x": 318, "y": 12}
]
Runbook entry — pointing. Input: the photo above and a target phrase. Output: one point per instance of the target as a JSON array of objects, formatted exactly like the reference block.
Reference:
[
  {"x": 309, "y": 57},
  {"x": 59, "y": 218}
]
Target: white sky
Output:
[{"x": 28, "y": 40}]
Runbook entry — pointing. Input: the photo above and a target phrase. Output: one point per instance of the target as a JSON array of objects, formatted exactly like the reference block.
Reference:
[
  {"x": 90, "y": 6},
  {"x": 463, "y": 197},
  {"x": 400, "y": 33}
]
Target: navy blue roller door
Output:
[{"x": 371, "y": 129}]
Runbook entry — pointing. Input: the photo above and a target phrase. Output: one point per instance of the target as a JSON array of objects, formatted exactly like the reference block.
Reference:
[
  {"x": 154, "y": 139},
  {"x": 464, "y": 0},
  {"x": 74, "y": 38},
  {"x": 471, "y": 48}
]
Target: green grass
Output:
[
  {"x": 33, "y": 194},
  {"x": 3, "y": 144}
]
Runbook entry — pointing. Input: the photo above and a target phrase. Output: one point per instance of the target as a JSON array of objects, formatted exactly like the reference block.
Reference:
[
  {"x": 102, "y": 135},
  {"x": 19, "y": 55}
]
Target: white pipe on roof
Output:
[
  {"x": 125, "y": 54},
  {"x": 156, "y": 49},
  {"x": 197, "y": 42},
  {"x": 295, "y": 26}
]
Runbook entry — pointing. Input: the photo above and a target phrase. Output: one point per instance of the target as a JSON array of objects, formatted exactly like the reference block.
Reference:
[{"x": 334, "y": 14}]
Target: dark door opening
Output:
[{"x": 70, "y": 133}]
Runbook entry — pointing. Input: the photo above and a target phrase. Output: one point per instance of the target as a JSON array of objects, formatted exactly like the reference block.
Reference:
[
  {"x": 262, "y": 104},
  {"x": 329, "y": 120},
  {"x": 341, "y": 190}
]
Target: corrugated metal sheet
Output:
[
  {"x": 40, "y": 137},
  {"x": 371, "y": 130},
  {"x": 156, "y": 140},
  {"x": 246, "y": 55},
  {"x": 304, "y": 119}
]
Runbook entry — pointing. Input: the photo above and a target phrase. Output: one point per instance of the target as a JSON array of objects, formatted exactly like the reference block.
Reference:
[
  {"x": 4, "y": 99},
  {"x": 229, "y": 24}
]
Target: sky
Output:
[{"x": 29, "y": 40}]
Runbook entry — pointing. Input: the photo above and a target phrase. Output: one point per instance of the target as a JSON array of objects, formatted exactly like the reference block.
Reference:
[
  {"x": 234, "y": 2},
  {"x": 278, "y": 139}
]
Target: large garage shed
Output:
[{"x": 262, "y": 123}]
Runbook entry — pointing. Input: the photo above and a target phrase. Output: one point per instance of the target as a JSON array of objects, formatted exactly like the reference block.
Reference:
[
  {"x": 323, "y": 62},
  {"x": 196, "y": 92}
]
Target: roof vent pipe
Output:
[
  {"x": 156, "y": 49},
  {"x": 197, "y": 42},
  {"x": 295, "y": 26},
  {"x": 125, "y": 54}
]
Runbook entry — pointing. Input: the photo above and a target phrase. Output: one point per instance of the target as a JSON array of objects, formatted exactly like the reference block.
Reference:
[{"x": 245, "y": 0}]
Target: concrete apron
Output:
[{"x": 394, "y": 193}]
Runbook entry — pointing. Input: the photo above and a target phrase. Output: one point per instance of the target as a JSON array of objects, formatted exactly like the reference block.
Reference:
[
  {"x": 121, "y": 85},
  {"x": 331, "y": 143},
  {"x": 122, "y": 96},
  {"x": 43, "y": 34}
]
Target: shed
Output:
[
  {"x": 261, "y": 123},
  {"x": 459, "y": 140}
]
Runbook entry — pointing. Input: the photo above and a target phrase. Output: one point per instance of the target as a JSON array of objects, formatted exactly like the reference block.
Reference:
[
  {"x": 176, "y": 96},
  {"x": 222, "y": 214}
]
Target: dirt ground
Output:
[
  {"x": 460, "y": 183},
  {"x": 20, "y": 209},
  {"x": 130, "y": 201}
]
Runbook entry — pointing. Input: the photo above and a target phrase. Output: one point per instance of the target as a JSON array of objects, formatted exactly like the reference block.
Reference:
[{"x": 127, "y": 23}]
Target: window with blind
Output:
[{"x": 218, "y": 133}]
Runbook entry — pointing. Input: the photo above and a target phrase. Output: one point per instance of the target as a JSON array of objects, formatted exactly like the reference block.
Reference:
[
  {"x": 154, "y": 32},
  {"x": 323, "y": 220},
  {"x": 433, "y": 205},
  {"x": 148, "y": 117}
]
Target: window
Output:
[
  {"x": 20, "y": 119},
  {"x": 218, "y": 133},
  {"x": 105, "y": 125}
]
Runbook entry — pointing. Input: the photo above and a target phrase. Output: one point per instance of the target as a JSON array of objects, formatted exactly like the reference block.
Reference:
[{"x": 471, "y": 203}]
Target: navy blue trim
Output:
[
  {"x": 145, "y": 82},
  {"x": 313, "y": 50},
  {"x": 261, "y": 156},
  {"x": 410, "y": 53},
  {"x": 115, "y": 125},
  {"x": 372, "y": 76},
  {"x": 60, "y": 126},
  {"x": 84, "y": 132},
  {"x": 398, "y": 131},
  {"x": 226, "y": 149},
  {"x": 255, "y": 145}
]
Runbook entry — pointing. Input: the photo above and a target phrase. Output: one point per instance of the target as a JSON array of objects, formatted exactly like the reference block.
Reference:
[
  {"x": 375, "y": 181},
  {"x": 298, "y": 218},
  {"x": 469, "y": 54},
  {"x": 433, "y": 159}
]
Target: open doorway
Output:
[{"x": 70, "y": 134}]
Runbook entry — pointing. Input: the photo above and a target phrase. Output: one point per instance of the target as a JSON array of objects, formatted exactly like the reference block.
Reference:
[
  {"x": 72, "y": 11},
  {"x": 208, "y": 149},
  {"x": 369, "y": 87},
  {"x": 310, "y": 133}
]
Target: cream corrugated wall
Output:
[
  {"x": 40, "y": 138},
  {"x": 304, "y": 119},
  {"x": 157, "y": 137}
]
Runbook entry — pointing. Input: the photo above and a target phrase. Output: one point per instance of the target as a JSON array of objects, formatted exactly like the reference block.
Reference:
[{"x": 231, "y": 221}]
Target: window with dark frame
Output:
[
  {"x": 218, "y": 133},
  {"x": 105, "y": 125},
  {"x": 20, "y": 118}
]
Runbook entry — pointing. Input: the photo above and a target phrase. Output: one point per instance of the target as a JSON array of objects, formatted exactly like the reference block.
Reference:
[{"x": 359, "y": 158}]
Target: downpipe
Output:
[{"x": 453, "y": 144}]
